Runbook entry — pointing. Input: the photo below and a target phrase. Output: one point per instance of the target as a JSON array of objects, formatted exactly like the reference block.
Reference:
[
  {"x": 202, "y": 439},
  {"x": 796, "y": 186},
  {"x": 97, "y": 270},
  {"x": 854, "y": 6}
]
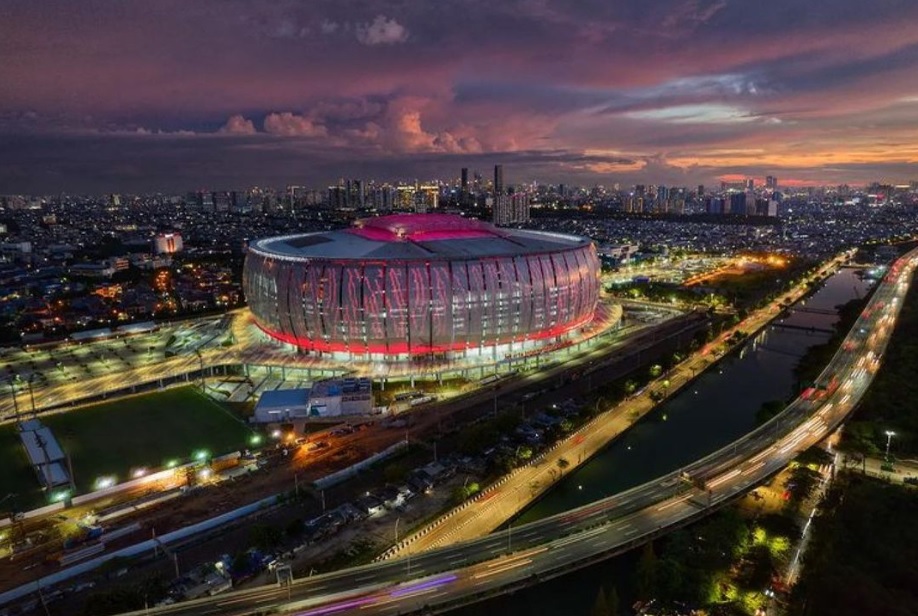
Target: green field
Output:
[{"x": 112, "y": 438}]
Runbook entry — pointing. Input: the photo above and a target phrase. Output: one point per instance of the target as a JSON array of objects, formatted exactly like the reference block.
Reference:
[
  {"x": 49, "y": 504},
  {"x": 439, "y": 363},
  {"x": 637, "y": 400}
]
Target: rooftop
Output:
[{"x": 414, "y": 237}]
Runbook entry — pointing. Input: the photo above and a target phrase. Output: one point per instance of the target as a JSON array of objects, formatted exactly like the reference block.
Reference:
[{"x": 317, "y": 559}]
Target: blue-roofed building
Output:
[{"x": 328, "y": 398}]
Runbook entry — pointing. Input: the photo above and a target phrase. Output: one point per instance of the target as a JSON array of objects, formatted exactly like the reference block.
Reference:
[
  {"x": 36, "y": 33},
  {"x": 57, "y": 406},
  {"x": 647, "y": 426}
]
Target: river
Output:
[{"x": 716, "y": 409}]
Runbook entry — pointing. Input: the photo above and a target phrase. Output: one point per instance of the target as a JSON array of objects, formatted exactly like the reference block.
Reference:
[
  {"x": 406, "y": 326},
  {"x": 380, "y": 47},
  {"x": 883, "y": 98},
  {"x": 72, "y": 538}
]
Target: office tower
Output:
[
  {"x": 771, "y": 183},
  {"x": 700, "y": 192},
  {"x": 498, "y": 180},
  {"x": 750, "y": 184},
  {"x": 750, "y": 203},
  {"x": 519, "y": 207},
  {"x": 464, "y": 184}
]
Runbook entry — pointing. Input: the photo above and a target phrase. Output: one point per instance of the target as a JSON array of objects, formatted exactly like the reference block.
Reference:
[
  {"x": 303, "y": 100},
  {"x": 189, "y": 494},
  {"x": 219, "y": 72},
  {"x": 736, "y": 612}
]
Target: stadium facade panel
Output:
[{"x": 408, "y": 285}]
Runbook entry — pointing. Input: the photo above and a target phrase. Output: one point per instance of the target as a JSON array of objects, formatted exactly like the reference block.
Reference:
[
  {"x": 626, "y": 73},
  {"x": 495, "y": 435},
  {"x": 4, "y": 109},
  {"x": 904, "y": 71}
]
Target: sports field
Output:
[{"x": 113, "y": 438}]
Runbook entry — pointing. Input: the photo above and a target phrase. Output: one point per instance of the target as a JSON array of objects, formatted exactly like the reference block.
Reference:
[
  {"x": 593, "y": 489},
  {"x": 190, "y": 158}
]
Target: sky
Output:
[{"x": 174, "y": 95}]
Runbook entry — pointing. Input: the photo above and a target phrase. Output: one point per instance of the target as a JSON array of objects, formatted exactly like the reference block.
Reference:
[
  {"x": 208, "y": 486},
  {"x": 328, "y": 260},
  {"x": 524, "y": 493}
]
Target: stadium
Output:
[{"x": 400, "y": 287}]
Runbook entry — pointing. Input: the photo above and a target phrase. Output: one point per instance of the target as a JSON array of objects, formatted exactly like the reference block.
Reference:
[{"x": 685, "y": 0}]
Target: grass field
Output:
[{"x": 112, "y": 438}]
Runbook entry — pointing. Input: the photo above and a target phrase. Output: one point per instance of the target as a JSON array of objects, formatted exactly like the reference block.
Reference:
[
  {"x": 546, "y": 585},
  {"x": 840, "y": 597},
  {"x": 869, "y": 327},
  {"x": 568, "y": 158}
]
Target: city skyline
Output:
[{"x": 166, "y": 96}]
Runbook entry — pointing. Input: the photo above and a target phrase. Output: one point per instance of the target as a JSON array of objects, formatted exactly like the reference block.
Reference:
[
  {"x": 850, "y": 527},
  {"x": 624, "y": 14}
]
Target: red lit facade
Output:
[{"x": 420, "y": 284}]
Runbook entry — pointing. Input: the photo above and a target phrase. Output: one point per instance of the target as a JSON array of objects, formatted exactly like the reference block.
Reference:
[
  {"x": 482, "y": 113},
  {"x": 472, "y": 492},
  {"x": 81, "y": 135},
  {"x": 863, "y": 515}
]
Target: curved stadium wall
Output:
[{"x": 402, "y": 286}]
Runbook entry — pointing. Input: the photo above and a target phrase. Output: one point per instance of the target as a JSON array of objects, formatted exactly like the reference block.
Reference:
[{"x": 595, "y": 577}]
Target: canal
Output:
[{"x": 715, "y": 410}]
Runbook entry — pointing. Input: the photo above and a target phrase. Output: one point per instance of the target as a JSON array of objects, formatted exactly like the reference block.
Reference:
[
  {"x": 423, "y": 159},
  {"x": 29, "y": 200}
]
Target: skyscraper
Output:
[
  {"x": 498, "y": 180},
  {"x": 771, "y": 182},
  {"x": 464, "y": 183}
]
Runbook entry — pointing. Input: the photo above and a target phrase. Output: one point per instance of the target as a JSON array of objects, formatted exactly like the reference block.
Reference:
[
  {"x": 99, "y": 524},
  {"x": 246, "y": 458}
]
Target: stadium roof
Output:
[{"x": 415, "y": 237}]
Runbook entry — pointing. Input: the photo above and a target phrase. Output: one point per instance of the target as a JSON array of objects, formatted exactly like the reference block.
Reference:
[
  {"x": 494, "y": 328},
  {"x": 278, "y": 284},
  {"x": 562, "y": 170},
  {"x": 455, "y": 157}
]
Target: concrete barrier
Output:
[
  {"x": 134, "y": 550},
  {"x": 346, "y": 473}
]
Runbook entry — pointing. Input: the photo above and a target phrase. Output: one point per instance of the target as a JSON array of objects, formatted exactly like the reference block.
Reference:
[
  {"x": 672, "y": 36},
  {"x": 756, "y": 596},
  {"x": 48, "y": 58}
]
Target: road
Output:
[
  {"x": 604, "y": 358},
  {"x": 525, "y": 485},
  {"x": 472, "y": 570}
]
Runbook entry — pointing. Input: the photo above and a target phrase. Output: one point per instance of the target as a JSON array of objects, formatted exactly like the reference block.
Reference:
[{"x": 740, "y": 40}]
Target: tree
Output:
[
  {"x": 630, "y": 386},
  {"x": 563, "y": 464},
  {"x": 600, "y": 606},
  {"x": 265, "y": 536},
  {"x": 646, "y": 573},
  {"x": 655, "y": 371},
  {"x": 759, "y": 568},
  {"x": 614, "y": 602},
  {"x": 395, "y": 472},
  {"x": 801, "y": 484},
  {"x": 768, "y": 410},
  {"x": 240, "y": 564},
  {"x": 669, "y": 578},
  {"x": 294, "y": 528}
]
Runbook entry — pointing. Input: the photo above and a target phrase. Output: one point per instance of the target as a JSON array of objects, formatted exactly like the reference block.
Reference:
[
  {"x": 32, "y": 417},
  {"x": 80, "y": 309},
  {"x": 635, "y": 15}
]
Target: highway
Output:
[
  {"x": 465, "y": 572},
  {"x": 516, "y": 491}
]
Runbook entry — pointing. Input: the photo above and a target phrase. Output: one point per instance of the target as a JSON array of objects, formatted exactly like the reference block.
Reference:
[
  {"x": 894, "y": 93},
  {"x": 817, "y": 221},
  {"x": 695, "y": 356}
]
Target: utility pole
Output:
[
  {"x": 31, "y": 395},
  {"x": 15, "y": 402}
]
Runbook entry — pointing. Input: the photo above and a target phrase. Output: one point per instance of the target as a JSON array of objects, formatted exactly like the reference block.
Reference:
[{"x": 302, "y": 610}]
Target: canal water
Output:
[{"x": 715, "y": 410}]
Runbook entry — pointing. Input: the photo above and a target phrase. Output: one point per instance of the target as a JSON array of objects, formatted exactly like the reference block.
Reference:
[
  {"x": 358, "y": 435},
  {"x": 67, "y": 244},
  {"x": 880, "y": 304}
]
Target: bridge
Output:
[
  {"x": 440, "y": 579},
  {"x": 774, "y": 349},
  {"x": 805, "y": 328},
  {"x": 827, "y": 311}
]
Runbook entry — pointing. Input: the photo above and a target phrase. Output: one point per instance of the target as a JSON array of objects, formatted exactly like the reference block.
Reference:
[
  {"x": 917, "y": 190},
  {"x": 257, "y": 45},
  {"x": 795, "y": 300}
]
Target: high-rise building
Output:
[
  {"x": 771, "y": 183},
  {"x": 750, "y": 184},
  {"x": 519, "y": 207},
  {"x": 498, "y": 180},
  {"x": 464, "y": 182},
  {"x": 700, "y": 192},
  {"x": 501, "y": 214},
  {"x": 750, "y": 203}
]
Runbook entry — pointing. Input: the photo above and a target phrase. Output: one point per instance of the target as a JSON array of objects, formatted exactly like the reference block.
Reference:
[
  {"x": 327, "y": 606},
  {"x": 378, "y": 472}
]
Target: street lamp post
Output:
[
  {"x": 889, "y": 435},
  {"x": 15, "y": 402},
  {"x": 201, "y": 361},
  {"x": 31, "y": 394}
]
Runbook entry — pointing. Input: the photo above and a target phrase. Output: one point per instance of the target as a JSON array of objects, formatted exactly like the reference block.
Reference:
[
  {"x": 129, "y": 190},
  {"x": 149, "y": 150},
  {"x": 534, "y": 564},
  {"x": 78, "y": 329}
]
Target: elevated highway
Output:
[{"x": 440, "y": 579}]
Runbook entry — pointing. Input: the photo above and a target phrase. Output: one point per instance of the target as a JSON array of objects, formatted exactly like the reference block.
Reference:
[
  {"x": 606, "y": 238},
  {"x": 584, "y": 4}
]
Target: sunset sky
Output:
[{"x": 130, "y": 95}]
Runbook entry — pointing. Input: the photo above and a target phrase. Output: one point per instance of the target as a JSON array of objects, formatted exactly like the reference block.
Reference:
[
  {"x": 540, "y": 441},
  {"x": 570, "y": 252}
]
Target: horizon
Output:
[{"x": 165, "y": 95}]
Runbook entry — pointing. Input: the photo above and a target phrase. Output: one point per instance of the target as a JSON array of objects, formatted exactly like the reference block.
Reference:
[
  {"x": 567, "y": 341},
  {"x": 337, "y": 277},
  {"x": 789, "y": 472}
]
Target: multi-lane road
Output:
[{"x": 472, "y": 570}]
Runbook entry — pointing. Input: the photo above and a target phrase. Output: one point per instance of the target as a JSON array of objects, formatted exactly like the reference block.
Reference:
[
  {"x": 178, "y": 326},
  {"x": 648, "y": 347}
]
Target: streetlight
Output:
[{"x": 889, "y": 435}]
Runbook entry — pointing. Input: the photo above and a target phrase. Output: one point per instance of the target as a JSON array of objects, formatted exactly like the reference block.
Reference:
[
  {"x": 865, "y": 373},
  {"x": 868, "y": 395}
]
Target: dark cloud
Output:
[{"x": 173, "y": 94}]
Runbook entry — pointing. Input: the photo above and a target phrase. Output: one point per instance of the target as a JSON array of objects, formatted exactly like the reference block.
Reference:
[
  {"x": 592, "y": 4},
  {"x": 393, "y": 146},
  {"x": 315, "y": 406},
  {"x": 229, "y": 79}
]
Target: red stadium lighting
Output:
[{"x": 420, "y": 284}]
